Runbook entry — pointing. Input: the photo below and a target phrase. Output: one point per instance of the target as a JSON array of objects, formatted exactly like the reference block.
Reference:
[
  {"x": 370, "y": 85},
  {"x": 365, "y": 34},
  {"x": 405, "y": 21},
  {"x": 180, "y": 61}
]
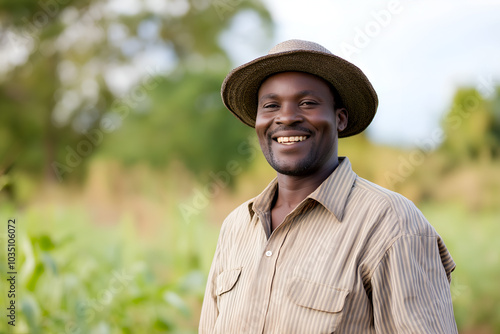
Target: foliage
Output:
[
  {"x": 472, "y": 128},
  {"x": 85, "y": 66},
  {"x": 456, "y": 163},
  {"x": 78, "y": 277},
  {"x": 471, "y": 239},
  {"x": 188, "y": 123}
]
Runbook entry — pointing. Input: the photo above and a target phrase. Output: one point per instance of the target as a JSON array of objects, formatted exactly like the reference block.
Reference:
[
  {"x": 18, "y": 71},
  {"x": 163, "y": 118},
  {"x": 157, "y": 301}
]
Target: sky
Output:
[{"x": 415, "y": 53}]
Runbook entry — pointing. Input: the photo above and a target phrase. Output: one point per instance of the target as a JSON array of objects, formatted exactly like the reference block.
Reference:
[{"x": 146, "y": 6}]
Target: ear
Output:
[{"x": 341, "y": 119}]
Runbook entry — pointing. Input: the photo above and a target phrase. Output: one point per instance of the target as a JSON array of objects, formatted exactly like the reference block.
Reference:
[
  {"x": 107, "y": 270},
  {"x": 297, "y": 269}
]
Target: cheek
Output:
[
  {"x": 261, "y": 126},
  {"x": 327, "y": 125}
]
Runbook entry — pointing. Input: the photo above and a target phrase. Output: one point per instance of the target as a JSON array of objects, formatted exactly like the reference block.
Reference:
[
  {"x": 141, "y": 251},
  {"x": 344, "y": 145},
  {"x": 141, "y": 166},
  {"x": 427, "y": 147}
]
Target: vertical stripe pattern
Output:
[{"x": 351, "y": 258}]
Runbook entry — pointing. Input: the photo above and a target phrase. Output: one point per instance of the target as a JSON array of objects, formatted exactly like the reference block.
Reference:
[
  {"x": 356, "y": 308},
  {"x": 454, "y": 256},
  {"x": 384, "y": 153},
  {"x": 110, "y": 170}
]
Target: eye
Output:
[
  {"x": 308, "y": 103},
  {"x": 271, "y": 105}
]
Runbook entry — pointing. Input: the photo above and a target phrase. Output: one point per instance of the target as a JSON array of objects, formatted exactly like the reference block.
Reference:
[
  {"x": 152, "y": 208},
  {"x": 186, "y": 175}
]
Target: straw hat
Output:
[{"x": 240, "y": 88}]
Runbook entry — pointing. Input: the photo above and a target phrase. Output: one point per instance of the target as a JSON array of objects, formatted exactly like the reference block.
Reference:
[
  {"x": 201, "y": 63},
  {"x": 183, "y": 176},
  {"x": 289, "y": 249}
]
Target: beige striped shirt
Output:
[{"x": 351, "y": 258}]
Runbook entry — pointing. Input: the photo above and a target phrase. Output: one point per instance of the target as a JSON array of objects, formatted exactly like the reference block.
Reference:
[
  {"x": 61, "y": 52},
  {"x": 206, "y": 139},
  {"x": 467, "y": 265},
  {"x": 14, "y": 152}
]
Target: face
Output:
[{"x": 297, "y": 124}]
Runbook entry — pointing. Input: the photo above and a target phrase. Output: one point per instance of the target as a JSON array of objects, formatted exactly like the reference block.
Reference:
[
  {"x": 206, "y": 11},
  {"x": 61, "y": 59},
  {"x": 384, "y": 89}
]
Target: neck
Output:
[{"x": 294, "y": 189}]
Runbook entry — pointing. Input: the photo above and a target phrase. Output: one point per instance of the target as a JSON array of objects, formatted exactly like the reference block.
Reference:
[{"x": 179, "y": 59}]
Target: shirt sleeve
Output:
[
  {"x": 209, "y": 310},
  {"x": 411, "y": 287}
]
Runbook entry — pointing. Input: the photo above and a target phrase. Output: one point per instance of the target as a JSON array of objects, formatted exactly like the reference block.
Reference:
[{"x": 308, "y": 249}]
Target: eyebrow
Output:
[
  {"x": 268, "y": 96},
  {"x": 299, "y": 94},
  {"x": 306, "y": 93}
]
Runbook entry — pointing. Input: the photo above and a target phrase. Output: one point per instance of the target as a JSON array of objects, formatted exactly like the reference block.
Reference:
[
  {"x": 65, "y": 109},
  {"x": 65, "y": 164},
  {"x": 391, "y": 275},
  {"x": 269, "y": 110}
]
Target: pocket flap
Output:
[
  {"x": 317, "y": 296},
  {"x": 226, "y": 280}
]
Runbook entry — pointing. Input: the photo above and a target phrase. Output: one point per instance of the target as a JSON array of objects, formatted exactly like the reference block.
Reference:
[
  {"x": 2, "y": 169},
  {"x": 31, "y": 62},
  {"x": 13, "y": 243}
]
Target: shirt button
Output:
[{"x": 269, "y": 253}]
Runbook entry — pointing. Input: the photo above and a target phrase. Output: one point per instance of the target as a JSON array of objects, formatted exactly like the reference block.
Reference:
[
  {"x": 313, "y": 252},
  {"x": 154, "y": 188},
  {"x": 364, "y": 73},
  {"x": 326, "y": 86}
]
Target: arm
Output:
[
  {"x": 411, "y": 287},
  {"x": 209, "y": 310}
]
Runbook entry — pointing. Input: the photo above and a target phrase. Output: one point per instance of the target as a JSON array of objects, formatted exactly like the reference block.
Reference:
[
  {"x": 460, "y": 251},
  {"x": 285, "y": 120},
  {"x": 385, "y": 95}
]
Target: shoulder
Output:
[
  {"x": 399, "y": 227},
  {"x": 238, "y": 218},
  {"x": 240, "y": 212},
  {"x": 408, "y": 219}
]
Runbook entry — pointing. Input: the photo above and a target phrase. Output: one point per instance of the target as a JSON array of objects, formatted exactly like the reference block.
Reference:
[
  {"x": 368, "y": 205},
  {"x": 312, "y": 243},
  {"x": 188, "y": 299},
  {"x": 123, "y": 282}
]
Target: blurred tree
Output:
[
  {"x": 464, "y": 168},
  {"x": 472, "y": 128},
  {"x": 185, "y": 121},
  {"x": 138, "y": 81}
]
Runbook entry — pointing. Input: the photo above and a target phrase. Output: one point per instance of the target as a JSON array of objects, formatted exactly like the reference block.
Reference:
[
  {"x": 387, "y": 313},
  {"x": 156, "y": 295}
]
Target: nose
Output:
[{"x": 289, "y": 113}]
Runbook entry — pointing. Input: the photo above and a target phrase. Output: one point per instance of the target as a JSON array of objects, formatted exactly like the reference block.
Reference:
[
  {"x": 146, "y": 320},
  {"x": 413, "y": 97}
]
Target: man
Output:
[{"x": 320, "y": 250}]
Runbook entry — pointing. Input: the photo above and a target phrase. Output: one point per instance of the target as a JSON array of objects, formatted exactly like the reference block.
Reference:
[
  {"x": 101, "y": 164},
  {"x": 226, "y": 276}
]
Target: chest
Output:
[{"x": 308, "y": 267}]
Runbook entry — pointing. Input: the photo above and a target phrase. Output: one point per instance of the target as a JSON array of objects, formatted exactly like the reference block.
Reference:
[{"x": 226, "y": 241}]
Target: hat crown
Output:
[
  {"x": 240, "y": 87},
  {"x": 298, "y": 44}
]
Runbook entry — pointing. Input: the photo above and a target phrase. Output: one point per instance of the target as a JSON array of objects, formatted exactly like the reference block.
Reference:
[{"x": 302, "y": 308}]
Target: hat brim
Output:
[{"x": 240, "y": 88}]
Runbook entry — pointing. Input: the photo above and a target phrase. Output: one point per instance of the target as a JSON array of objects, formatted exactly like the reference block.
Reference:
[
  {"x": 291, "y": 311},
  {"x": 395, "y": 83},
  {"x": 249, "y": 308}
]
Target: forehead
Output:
[{"x": 298, "y": 80}]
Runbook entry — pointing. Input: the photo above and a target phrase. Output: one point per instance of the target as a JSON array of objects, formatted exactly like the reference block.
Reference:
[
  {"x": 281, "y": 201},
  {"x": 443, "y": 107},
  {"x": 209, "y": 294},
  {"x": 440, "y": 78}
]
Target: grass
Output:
[
  {"x": 78, "y": 277},
  {"x": 472, "y": 239}
]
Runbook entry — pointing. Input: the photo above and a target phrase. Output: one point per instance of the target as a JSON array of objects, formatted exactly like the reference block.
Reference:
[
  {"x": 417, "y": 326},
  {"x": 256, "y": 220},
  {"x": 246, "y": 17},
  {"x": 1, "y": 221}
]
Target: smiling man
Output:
[{"x": 320, "y": 250}]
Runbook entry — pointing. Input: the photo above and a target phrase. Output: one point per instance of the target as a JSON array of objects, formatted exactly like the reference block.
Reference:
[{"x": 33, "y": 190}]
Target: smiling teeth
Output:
[{"x": 293, "y": 139}]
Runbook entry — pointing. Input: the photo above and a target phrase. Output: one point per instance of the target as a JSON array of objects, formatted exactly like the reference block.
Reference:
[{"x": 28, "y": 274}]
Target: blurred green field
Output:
[
  {"x": 76, "y": 276},
  {"x": 472, "y": 239}
]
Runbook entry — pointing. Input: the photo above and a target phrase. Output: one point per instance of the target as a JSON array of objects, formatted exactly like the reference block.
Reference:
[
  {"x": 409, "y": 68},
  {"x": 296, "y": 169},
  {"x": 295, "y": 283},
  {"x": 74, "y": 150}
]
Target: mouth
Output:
[{"x": 290, "y": 140}]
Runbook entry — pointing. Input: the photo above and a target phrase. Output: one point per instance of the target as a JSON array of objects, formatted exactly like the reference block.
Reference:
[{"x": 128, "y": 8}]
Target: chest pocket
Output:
[
  {"x": 318, "y": 306},
  {"x": 226, "y": 280}
]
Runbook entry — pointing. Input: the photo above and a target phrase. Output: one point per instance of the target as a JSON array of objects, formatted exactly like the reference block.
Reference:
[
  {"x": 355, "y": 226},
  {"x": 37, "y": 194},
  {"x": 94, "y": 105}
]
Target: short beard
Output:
[{"x": 302, "y": 168}]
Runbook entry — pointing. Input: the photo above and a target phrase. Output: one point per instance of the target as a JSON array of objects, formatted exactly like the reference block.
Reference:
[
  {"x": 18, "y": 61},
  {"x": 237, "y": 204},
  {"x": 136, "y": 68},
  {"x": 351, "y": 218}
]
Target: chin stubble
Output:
[{"x": 302, "y": 168}]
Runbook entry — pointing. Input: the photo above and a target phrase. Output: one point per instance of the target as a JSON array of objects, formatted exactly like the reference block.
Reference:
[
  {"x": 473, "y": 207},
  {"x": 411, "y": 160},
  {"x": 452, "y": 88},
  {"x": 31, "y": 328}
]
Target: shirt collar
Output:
[
  {"x": 332, "y": 193},
  {"x": 262, "y": 203}
]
